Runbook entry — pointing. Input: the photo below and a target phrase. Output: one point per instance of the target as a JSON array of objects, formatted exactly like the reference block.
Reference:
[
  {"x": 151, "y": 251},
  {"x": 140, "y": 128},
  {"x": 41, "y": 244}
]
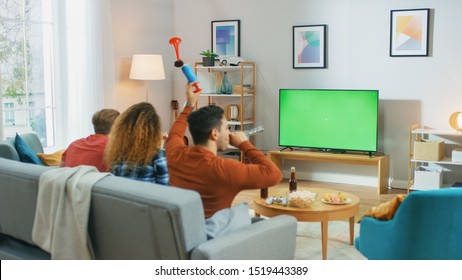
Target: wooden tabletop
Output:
[{"x": 317, "y": 212}]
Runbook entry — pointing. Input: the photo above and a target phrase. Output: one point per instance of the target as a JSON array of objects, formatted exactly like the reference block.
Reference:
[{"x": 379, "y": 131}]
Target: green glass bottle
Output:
[{"x": 226, "y": 86}]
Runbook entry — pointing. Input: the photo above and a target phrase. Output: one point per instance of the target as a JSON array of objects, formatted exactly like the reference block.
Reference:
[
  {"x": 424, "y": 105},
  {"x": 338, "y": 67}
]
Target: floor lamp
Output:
[{"x": 147, "y": 67}]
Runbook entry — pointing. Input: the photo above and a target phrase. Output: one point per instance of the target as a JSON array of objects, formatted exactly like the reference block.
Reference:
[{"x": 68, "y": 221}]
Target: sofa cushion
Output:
[
  {"x": 53, "y": 159},
  {"x": 26, "y": 154},
  {"x": 386, "y": 210}
]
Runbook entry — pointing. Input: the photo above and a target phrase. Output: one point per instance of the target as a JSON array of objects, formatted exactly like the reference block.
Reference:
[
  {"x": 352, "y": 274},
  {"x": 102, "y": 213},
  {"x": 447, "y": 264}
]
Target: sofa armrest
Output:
[
  {"x": 8, "y": 151},
  {"x": 268, "y": 239},
  {"x": 374, "y": 238}
]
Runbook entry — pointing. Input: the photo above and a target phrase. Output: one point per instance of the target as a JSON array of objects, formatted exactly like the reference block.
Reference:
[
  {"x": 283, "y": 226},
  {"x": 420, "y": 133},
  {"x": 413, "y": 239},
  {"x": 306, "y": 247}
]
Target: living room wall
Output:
[
  {"x": 412, "y": 89},
  {"x": 142, "y": 27}
]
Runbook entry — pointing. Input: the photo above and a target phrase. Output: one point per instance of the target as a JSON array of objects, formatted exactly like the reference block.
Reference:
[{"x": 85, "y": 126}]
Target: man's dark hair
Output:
[
  {"x": 103, "y": 120},
  {"x": 203, "y": 121}
]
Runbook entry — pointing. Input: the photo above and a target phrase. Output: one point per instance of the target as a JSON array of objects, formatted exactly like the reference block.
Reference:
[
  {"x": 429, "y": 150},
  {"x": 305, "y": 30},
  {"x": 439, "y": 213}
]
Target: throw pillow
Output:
[
  {"x": 26, "y": 154},
  {"x": 386, "y": 210},
  {"x": 53, "y": 159}
]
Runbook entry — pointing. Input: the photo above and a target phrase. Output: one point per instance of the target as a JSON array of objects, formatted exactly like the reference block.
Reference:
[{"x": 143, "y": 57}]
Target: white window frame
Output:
[{"x": 49, "y": 105}]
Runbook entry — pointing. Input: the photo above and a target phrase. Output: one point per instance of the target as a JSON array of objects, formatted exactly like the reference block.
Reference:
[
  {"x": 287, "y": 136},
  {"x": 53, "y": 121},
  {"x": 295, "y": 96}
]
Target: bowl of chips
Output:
[{"x": 301, "y": 199}]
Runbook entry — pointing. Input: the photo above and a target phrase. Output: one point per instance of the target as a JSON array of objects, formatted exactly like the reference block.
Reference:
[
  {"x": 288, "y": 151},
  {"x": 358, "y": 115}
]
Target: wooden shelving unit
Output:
[
  {"x": 416, "y": 133},
  {"x": 239, "y": 76}
]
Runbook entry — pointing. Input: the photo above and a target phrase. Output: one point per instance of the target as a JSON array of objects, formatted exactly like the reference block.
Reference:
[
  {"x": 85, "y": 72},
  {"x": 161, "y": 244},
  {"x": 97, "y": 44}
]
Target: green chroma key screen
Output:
[{"x": 329, "y": 119}]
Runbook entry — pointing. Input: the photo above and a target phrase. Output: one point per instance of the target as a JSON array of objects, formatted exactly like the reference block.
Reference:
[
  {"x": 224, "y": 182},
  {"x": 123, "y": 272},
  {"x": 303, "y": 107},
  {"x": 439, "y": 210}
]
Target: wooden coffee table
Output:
[{"x": 317, "y": 212}]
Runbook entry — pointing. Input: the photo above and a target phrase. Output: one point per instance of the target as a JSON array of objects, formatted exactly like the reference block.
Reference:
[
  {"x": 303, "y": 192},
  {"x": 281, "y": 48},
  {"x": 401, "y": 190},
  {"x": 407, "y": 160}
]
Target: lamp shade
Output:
[
  {"x": 456, "y": 121},
  {"x": 147, "y": 67}
]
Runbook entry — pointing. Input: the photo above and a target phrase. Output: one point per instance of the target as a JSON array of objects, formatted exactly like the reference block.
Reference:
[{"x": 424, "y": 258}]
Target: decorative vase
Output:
[
  {"x": 226, "y": 86},
  {"x": 218, "y": 80}
]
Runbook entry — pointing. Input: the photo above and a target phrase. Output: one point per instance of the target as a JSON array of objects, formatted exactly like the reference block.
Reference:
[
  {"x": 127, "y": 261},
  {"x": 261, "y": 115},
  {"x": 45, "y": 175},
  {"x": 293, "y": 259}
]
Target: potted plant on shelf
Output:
[{"x": 208, "y": 58}]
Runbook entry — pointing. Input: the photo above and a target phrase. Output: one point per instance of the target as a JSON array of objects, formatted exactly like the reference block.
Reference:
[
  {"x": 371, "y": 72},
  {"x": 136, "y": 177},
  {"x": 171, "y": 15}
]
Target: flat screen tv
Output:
[{"x": 329, "y": 119}]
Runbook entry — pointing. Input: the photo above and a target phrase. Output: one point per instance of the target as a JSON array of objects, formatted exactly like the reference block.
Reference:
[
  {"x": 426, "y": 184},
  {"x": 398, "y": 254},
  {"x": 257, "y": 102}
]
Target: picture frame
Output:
[
  {"x": 309, "y": 46},
  {"x": 409, "y": 32},
  {"x": 226, "y": 37}
]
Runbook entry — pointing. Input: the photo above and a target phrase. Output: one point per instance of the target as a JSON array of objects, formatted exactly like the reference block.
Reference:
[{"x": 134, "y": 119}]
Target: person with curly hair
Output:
[{"x": 135, "y": 148}]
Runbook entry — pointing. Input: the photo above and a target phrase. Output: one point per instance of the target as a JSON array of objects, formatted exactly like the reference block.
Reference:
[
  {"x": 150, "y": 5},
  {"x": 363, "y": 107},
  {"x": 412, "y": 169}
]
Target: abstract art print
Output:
[
  {"x": 309, "y": 46},
  {"x": 409, "y": 32},
  {"x": 225, "y": 37}
]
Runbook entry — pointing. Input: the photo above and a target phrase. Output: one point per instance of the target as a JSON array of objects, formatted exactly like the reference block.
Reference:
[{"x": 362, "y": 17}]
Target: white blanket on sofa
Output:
[{"x": 63, "y": 206}]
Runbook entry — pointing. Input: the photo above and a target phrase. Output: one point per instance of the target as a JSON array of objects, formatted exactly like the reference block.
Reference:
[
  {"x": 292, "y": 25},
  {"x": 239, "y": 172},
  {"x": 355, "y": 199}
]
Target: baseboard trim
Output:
[{"x": 341, "y": 178}]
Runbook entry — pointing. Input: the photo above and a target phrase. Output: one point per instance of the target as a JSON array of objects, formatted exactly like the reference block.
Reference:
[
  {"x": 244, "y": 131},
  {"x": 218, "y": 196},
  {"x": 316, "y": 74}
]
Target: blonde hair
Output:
[
  {"x": 103, "y": 120},
  {"x": 135, "y": 137}
]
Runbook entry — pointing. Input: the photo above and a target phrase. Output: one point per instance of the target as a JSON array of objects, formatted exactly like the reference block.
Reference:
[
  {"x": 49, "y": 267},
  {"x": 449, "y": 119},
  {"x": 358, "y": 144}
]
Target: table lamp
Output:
[
  {"x": 455, "y": 120},
  {"x": 147, "y": 67}
]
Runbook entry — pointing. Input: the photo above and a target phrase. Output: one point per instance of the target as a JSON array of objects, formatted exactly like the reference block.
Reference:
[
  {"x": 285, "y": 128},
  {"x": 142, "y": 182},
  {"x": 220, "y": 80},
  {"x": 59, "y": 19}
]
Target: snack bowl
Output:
[{"x": 301, "y": 199}]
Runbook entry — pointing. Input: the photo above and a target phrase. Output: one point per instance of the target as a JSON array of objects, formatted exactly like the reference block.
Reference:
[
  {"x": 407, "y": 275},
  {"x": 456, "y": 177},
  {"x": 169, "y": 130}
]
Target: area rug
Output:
[{"x": 309, "y": 245}]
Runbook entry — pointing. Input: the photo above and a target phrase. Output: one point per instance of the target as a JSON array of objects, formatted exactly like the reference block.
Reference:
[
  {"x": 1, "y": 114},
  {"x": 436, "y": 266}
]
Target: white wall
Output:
[
  {"x": 142, "y": 27},
  {"x": 412, "y": 89}
]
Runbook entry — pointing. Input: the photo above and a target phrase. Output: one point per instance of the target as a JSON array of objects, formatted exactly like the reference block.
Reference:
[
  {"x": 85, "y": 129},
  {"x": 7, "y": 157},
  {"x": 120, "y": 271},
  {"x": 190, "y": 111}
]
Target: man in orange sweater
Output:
[{"x": 218, "y": 180}]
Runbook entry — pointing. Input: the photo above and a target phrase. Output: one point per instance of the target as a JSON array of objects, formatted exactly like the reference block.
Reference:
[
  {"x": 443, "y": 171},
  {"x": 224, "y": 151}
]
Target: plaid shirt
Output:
[{"x": 155, "y": 173}]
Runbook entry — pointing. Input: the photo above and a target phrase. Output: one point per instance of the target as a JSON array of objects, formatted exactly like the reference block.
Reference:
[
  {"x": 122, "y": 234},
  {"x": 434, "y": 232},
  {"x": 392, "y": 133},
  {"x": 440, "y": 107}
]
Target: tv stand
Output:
[
  {"x": 381, "y": 161},
  {"x": 334, "y": 151}
]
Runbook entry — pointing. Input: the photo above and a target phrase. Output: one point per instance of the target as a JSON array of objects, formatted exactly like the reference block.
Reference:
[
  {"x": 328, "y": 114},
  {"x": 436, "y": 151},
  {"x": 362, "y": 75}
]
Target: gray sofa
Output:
[
  {"x": 7, "y": 149},
  {"x": 136, "y": 220}
]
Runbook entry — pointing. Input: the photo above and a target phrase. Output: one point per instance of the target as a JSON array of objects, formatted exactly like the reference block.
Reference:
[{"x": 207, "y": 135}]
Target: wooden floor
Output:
[{"x": 368, "y": 195}]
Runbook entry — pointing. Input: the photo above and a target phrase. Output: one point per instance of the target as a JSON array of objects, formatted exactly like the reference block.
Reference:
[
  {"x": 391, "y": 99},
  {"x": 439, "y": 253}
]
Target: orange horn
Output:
[{"x": 175, "y": 42}]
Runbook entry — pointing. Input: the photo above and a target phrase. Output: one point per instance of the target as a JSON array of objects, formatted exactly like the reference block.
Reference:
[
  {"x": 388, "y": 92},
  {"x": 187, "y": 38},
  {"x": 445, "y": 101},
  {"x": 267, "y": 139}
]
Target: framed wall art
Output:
[
  {"x": 309, "y": 46},
  {"x": 409, "y": 32},
  {"x": 226, "y": 37}
]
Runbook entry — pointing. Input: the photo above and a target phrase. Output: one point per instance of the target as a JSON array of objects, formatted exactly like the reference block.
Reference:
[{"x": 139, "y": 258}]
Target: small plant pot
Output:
[{"x": 208, "y": 61}]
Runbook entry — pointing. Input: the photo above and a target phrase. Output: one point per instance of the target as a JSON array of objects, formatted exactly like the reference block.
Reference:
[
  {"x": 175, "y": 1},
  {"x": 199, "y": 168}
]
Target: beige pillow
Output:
[
  {"x": 386, "y": 210},
  {"x": 53, "y": 159}
]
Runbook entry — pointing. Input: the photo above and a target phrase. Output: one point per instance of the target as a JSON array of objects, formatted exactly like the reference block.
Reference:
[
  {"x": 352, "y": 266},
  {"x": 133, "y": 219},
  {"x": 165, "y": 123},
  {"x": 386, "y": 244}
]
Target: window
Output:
[
  {"x": 26, "y": 69},
  {"x": 9, "y": 113}
]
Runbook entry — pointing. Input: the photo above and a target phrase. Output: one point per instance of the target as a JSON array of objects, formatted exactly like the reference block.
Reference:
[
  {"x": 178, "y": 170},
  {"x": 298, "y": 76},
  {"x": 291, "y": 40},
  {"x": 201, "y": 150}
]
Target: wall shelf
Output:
[
  {"x": 245, "y": 94},
  {"x": 446, "y": 160}
]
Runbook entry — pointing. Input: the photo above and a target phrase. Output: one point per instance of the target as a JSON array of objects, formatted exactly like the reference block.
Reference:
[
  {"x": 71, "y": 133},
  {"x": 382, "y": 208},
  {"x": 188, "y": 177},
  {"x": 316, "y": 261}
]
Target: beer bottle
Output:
[
  {"x": 292, "y": 180},
  {"x": 264, "y": 193}
]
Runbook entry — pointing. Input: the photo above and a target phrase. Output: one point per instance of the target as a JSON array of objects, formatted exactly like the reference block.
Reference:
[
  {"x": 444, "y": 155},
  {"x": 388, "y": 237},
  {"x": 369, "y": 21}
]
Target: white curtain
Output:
[{"x": 85, "y": 79}]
